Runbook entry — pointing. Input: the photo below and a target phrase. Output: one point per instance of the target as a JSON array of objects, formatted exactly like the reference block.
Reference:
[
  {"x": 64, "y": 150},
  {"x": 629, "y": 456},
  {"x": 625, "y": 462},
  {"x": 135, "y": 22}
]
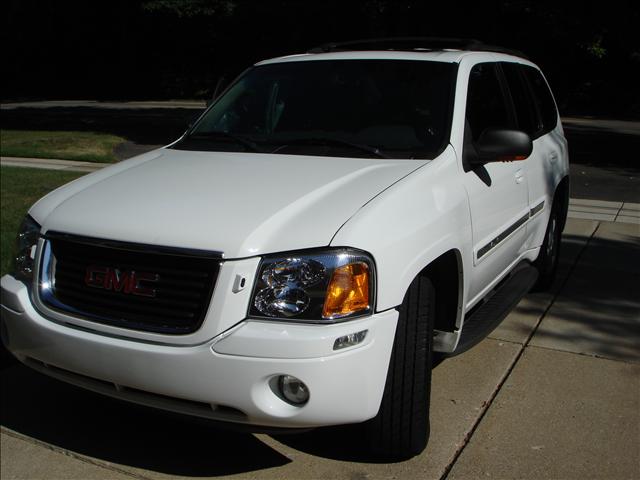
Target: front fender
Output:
[{"x": 411, "y": 224}]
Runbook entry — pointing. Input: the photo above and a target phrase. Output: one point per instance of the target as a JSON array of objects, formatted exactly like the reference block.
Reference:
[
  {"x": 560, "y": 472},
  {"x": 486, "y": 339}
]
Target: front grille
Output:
[{"x": 131, "y": 286}]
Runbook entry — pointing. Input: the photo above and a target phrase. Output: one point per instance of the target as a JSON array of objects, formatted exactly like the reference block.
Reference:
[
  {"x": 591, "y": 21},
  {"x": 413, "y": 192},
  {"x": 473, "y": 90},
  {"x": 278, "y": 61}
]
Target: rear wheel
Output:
[
  {"x": 400, "y": 430},
  {"x": 547, "y": 261}
]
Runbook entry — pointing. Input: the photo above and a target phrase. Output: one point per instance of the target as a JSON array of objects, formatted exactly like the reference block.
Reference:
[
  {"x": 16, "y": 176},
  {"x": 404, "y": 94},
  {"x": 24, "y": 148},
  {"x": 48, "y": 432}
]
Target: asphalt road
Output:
[
  {"x": 605, "y": 163},
  {"x": 605, "y": 158}
]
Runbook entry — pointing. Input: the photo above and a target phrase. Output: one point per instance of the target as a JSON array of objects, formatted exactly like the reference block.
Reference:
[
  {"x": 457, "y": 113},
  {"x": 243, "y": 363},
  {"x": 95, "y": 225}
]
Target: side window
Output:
[
  {"x": 486, "y": 105},
  {"x": 526, "y": 113},
  {"x": 543, "y": 98}
]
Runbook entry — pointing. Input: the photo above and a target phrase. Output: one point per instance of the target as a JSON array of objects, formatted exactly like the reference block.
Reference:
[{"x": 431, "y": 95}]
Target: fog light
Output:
[
  {"x": 293, "y": 390},
  {"x": 349, "y": 340}
]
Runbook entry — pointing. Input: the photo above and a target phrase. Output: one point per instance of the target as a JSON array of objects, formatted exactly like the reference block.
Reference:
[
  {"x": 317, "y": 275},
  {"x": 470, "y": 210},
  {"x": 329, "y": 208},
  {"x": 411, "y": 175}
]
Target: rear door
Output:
[
  {"x": 537, "y": 115},
  {"x": 498, "y": 193}
]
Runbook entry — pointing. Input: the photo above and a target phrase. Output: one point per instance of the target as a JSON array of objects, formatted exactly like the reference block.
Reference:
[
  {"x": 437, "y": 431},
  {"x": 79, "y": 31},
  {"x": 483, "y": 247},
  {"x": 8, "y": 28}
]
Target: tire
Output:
[
  {"x": 400, "y": 430},
  {"x": 547, "y": 261}
]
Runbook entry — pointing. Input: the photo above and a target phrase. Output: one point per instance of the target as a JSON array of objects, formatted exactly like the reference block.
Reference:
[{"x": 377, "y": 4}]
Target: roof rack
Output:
[{"x": 413, "y": 44}]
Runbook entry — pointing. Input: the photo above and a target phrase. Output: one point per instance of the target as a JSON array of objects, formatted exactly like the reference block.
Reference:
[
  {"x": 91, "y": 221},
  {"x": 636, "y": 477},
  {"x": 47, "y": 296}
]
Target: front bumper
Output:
[{"x": 228, "y": 378}]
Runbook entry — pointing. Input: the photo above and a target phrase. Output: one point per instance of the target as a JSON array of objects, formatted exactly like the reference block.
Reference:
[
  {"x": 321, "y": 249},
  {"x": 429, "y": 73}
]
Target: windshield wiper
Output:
[
  {"x": 213, "y": 135},
  {"x": 329, "y": 142}
]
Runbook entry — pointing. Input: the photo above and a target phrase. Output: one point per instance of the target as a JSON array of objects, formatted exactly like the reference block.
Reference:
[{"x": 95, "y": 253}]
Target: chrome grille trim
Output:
[{"x": 185, "y": 285}]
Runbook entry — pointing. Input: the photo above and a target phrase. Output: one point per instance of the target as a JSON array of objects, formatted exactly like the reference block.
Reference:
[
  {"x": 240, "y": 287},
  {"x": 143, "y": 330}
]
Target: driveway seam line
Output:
[
  {"x": 512, "y": 342},
  {"x": 583, "y": 354},
  {"x": 467, "y": 438}
]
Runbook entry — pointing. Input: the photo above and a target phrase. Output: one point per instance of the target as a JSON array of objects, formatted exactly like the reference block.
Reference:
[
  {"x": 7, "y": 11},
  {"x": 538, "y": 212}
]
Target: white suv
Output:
[{"x": 295, "y": 259}]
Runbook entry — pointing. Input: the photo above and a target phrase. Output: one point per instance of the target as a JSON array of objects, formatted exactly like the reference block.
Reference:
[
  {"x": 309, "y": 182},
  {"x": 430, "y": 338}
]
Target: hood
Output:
[{"x": 236, "y": 203}]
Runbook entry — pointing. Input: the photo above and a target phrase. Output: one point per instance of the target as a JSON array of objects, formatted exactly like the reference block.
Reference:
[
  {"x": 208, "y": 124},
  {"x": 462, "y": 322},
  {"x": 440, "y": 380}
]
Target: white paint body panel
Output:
[
  {"x": 495, "y": 202},
  {"x": 239, "y": 204},
  {"x": 199, "y": 374},
  {"x": 404, "y": 213},
  {"x": 411, "y": 224},
  {"x": 545, "y": 169}
]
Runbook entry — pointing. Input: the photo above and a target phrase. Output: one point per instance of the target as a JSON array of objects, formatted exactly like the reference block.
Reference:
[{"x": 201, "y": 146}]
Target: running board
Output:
[{"x": 485, "y": 318}]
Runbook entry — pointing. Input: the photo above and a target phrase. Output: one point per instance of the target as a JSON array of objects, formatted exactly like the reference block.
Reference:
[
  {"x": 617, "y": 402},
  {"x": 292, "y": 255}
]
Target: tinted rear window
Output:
[
  {"x": 543, "y": 98},
  {"x": 526, "y": 113}
]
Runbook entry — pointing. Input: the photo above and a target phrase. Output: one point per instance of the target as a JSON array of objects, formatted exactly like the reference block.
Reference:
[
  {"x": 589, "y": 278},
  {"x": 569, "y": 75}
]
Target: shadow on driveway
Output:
[
  {"x": 597, "y": 312},
  {"x": 130, "y": 435},
  {"x": 109, "y": 430},
  {"x": 597, "y": 309}
]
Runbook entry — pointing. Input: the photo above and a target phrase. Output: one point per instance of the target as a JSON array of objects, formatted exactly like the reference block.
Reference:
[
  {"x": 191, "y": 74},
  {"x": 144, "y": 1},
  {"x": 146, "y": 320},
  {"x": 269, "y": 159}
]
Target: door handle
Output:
[
  {"x": 519, "y": 176},
  {"x": 553, "y": 156}
]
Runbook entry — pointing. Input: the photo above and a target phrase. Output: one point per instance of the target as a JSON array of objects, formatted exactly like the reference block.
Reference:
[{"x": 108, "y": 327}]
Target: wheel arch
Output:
[
  {"x": 419, "y": 225},
  {"x": 561, "y": 195},
  {"x": 447, "y": 276}
]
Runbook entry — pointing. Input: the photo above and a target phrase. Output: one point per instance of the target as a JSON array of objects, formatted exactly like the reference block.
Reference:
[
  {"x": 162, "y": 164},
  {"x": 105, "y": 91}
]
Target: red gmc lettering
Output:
[
  {"x": 127, "y": 282},
  {"x": 141, "y": 290}
]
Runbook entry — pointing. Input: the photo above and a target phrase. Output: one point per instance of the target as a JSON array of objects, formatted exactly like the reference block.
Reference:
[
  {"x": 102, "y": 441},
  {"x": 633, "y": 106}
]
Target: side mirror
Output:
[{"x": 501, "y": 145}]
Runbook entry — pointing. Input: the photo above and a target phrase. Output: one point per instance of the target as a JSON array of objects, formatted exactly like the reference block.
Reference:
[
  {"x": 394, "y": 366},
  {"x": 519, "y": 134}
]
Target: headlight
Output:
[
  {"x": 26, "y": 248},
  {"x": 324, "y": 286}
]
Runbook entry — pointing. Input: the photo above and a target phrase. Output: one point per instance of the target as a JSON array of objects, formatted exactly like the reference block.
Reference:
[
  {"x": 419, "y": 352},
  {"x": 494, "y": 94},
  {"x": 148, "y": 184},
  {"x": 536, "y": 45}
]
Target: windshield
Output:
[{"x": 351, "y": 108}]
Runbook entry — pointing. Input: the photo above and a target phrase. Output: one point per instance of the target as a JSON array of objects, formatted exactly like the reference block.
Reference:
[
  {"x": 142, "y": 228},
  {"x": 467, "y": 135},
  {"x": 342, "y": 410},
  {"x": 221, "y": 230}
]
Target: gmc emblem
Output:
[{"x": 125, "y": 281}]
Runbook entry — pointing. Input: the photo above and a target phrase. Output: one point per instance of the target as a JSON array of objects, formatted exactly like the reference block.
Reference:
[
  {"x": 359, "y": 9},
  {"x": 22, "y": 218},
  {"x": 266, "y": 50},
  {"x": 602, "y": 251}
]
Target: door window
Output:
[{"x": 486, "y": 103}]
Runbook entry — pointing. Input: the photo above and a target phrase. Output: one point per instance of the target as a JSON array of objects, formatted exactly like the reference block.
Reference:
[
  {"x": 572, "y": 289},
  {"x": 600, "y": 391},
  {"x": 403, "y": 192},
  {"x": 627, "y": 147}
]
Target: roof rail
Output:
[{"x": 413, "y": 44}]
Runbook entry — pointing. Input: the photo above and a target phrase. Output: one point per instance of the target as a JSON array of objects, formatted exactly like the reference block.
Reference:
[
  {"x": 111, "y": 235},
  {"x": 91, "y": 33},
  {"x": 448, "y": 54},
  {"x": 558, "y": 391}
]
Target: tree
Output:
[{"x": 190, "y": 8}]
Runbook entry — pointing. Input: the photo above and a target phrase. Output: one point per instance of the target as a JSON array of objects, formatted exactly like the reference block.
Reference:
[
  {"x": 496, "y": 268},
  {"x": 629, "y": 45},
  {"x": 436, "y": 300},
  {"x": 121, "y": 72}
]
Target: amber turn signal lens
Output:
[
  {"x": 348, "y": 291},
  {"x": 512, "y": 158}
]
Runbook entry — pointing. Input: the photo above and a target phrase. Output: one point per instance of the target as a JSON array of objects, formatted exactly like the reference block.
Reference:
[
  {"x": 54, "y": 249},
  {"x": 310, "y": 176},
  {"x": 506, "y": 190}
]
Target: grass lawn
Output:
[
  {"x": 19, "y": 189},
  {"x": 85, "y": 146}
]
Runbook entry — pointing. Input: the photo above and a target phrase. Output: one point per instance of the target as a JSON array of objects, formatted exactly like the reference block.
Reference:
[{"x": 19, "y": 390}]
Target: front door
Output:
[{"x": 498, "y": 192}]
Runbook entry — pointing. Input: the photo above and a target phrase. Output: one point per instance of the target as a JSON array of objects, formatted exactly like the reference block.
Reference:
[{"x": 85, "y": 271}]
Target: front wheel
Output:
[
  {"x": 547, "y": 261},
  {"x": 400, "y": 430}
]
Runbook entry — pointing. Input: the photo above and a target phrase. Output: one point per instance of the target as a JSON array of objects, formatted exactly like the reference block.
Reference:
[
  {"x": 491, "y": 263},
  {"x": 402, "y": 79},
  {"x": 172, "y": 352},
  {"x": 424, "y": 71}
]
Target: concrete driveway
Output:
[{"x": 553, "y": 393}]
